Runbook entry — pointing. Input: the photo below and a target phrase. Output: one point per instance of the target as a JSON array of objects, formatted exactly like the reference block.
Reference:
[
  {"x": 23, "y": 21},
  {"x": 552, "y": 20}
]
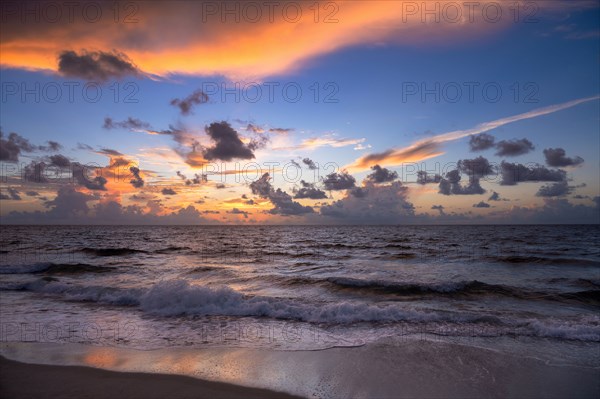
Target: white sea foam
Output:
[
  {"x": 590, "y": 331},
  {"x": 101, "y": 294},
  {"x": 171, "y": 298}
]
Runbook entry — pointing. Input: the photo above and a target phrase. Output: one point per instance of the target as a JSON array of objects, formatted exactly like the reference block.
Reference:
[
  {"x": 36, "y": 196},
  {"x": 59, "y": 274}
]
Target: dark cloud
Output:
[
  {"x": 118, "y": 162},
  {"x": 96, "y": 65},
  {"x": 424, "y": 178},
  {"x": 478, "y": 167},
  {"x": 14, "y": 145},
  {"x": 250, "y": 127},
  {"x": 494, "y": 197},
  {"x": 451, "y": 185},
  {"x": 83, "y": 175},
  {"x": 68, "y": 204},
  {"x": 475, "y": 169},
  {"x": 60, "y": 161},
  {"x": 109, "y": 152},
  {"x": 359, "y": 192},
  {"x": 382, "y": 175},
  {"x": 13, "y": 194},
  {"x": 285, "y": 206},
  {"x": 208, "y": 212},
  {"x": 197, "y": 179},
  {"x": 481, "y": 205},
  {"x": 513, "y": 148},
  {"x": 236, "y": 211},
  {"x": 554, "y": 211},
  {"x": 513, "y": 173},
  {"x": 80, "y": 174},
  {"x": 283, "y": 202},
  {"x": 136, "y": 125},
  {"x": 137, "y": 180},
  {"x": 71, "y": 207},
  {"x": 35, "y": 172},
  {"x": 382, "y": 204},
  {"x": 439, "y": 208},
  {"x": 481, "y": 142},
  {"x": 258, "y": 142},
  {"x": 81, "y": 146},
  {"x": 308, "y": 190},
  {"x": 11, "y": 148},
  {"x": 261, "y": 187},
  {"x": 141, "y": 197},
  {"x": 52, "y": 146},
  {"x": 185, "y": 105},
  {"x": 557, "y": 157},
  {"x": 558, "y": 189},
  {"x": 339, "y": 181},
  {"x": 128, "y": 124},
  {"x": 280, "y": 130},
  {"x": 168, "y": 191},
  {"x": 310, "y": 163},
  {"x": 228, "y": 144}
]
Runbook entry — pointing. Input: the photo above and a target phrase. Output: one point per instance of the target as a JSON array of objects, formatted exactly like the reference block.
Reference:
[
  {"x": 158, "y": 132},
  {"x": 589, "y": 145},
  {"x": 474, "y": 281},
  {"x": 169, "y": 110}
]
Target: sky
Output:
[{"x": 300, "y": 112}]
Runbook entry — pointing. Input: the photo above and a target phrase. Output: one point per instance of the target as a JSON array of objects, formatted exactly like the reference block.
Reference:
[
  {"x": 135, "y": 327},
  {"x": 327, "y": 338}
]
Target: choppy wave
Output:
[
  {"x": 111, "y": 251},
  {"x": 201, "y": 269},
  {"x": 580, "y": 282},
  {"x": 174, "y": 298},
  {"x": 171, "y": 249},
  {"x": 516, "y": 279},
  {"x": 24, "y": 268},
  {"x": 590, "y": 331},
  {"x": 86, "y": 293},
  {"x": 542, "y": 260},
  {"x": 462, "y": 289},
  {"x": 55, "y": 268},
  {"x": 178, "y": 297}
]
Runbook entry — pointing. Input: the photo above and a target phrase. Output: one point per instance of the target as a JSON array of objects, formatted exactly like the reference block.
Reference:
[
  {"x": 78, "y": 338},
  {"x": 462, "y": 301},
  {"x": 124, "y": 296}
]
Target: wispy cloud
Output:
[
  {"x": 325, "y": 141},
  {"x": 431, "y": 147}
]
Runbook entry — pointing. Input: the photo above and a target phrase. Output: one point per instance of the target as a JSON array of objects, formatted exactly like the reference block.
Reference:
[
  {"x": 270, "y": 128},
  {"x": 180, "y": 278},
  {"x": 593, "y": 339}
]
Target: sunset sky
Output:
[{"x": 300, "y": 112}]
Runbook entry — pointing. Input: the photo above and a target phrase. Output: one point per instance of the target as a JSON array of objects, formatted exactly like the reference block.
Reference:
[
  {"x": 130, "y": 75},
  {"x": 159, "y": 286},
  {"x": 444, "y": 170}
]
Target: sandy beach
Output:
[
  {"x": 22, "y": 380},
  {"x": 413, "y": 369}
]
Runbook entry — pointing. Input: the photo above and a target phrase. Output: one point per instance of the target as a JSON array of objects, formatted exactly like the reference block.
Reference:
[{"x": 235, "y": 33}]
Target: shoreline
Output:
[
  {"x": 24, "y": 380},
  {"x": 386, "y": 369}
]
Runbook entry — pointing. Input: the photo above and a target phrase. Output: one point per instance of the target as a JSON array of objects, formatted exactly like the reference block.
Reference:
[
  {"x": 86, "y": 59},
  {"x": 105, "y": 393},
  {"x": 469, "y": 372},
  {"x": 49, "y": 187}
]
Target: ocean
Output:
[{"x": 514, "y": 289}]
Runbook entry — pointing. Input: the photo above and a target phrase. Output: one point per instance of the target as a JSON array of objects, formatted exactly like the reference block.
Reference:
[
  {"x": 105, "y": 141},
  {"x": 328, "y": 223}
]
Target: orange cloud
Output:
[
  {"x": 413, "y": 153},
  {"x": 188, "y": 38}
]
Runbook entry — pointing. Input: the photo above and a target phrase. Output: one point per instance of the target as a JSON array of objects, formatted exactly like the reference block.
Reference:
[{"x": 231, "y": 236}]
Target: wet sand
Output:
[
  {"x": 387, "y": 369},
  {"x": 22, "y": 380}
]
